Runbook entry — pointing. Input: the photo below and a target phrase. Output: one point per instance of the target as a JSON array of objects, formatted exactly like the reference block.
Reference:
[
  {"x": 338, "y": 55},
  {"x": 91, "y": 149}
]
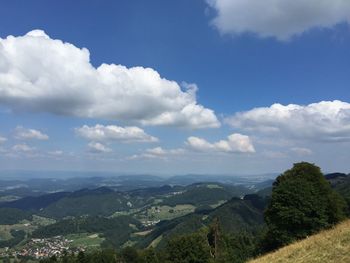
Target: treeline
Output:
[
  {"x": 201, "y": 247},
  {"x": 302, "y": 203},
  {"x": 201, "y": 195},
  {"x": 11, "y": 216}
]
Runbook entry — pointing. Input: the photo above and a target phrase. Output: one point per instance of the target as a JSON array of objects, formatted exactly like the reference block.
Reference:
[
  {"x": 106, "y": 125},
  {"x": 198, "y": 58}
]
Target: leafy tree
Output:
[
  {"x": 129, "y": 255},
  {"x": 193, "y": 248},
  {"x": 302, "y": 203},
  {"x": 149, "y": 256},
  {"x": 104, "y": 256},
  {"x": 81, "y": 258},
  {"x": 234, "y": 248}
]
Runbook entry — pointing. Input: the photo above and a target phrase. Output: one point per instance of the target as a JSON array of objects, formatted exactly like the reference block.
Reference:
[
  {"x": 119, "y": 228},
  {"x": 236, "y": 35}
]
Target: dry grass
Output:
[{"x": 328, "y": 246}]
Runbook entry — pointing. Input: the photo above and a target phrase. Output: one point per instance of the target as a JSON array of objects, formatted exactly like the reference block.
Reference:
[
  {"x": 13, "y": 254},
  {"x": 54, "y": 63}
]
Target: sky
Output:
[{"x": 174, "y": 87}]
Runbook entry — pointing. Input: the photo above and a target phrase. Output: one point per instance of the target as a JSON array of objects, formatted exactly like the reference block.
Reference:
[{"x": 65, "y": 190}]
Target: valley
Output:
[
  {"x": 115, "y": 213},
  {"x": 119, "y": 216}
]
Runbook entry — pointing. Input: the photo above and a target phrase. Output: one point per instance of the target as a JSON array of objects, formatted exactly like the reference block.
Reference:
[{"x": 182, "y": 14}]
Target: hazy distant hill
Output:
[
  {"x": 89, "y": 202},
  {"x": 35, "y": 202},
  {"x": 206, "y": 194}
]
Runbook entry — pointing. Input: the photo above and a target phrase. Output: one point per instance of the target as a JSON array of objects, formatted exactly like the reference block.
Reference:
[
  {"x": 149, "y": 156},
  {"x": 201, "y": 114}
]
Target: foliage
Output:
[
  {"x": 341, "y": 184},
  {"x": 302, "y": 203},
  {"x": 238, "y": 215},
  {"x": 202, "y": 194},
  {"x": 192, "y": 248},
  {"x": 11, "y": 216},
  {"x": 104, "y": 204},
  {"x": 17, "y": 237}
]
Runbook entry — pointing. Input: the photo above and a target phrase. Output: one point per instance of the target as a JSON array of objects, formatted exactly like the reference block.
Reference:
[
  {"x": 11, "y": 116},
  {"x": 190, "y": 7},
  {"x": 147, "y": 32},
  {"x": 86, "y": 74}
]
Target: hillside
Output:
[
  {"x": 341, "y": 183},
  {"x": 235, "y": 216},
  {"x": 328, "y": 246}
]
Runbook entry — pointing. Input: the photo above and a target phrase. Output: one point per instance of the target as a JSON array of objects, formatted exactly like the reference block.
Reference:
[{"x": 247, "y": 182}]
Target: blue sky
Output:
[{"x": 201, "y": 99}]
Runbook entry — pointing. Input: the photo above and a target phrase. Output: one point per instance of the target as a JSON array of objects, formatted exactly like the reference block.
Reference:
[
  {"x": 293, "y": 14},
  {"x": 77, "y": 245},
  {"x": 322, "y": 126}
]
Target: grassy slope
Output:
[{"x": 328, "y": 246}]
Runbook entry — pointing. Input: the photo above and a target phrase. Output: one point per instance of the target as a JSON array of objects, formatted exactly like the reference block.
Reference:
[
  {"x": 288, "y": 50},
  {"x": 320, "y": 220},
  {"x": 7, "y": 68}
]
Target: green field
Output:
[
  {"x": 213, "y": 186},
  {"x": 87, "y": 240},
  {"x": 5, "y": 232},
  {"x": 166, "y": 212},
  {"x": 42, "y": 221},
  {"x": 126, "y": 213}
]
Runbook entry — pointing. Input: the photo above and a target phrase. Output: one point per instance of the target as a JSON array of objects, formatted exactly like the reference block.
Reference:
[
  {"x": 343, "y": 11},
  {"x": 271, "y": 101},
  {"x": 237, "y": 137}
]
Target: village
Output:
[{"x": 38, "y": 248}]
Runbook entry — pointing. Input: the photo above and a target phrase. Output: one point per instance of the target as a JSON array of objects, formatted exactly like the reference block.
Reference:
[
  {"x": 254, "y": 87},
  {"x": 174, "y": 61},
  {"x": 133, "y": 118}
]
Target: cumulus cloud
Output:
[
  {"x": 2, "y": 139},
  {"x": 235, "y": 143},
  {"x": 41, "y": 74},
  {"x": 322, "y": 121},
  {"x": 96, "y": 147},
  {"x": 29, "y": 134},
  {"x": 158, "y": 152},
  {"x": 281, "y": 19},
  {"x": 114, "y": 133}
]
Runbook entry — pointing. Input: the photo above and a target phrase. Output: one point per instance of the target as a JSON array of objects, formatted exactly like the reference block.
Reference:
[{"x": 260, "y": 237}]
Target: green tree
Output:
[
  {"x": 81, "y": 258},
  {"x": 129, "y": 255},
  {"x": 193, "y": 248},
  {"x": 302, "y": 203},
  {"x": 149, "y": 256}
]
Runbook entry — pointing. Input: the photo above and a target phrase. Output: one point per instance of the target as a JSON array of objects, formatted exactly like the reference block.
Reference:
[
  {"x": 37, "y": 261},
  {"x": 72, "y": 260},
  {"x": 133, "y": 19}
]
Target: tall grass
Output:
[{"x": 328, "y": 246}]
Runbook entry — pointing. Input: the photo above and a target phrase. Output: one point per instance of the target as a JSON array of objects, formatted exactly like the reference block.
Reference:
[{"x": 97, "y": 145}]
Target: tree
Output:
[
  {"x": 81, "y": 258},
  {"x": 302, "y": 203},
  {"x": 149, "y": 255},
  {"x": 130, "y": 255},
  {"x": 191, "y": 248}
]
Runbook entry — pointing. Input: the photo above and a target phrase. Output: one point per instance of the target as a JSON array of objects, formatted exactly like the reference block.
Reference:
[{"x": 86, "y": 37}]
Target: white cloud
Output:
[
  {"x": 301, "y": 151},
  {"x": 235, "y": 143},
  {"x": 114, "y": 133},
  {"x": 29, "y": 134},
  {"x": 41, "y": 74},
  {"x": 96, "y": 147},
  {"x": 2, "y": 139},
  {"x": 322, "y": 121},
  {"x": 23, "y": 148},
  {"x": 281, "y": 19},
  {"x": 158, "y": 152}
]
